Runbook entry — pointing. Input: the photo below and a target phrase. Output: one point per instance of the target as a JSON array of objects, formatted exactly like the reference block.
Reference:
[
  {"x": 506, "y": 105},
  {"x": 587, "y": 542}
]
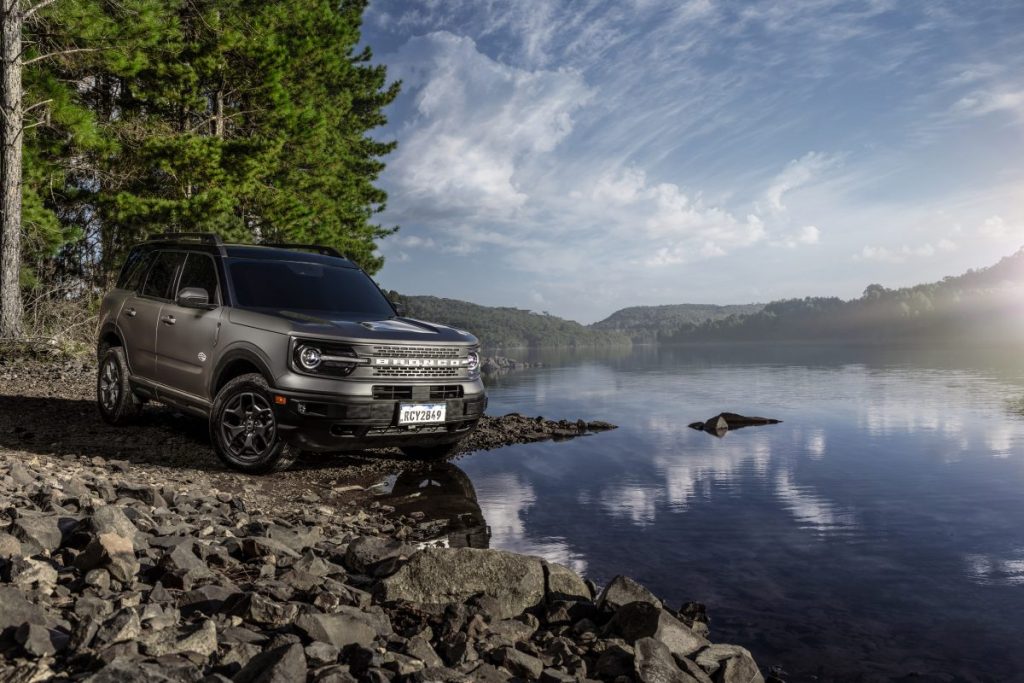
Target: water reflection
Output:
[
  {"x": 445, "y": 496},
  {"x": 878, "y": 531}
]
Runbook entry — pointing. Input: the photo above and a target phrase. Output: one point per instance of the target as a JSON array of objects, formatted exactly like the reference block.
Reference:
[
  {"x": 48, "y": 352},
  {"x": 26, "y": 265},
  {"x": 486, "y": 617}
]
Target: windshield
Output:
[{"x": 312, "y": 288}]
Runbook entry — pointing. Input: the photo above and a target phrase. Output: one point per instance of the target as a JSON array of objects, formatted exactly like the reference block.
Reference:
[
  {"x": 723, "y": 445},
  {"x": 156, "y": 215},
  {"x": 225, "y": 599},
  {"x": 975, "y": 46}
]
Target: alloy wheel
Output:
[
  {"x": 248, "y": 426},
  {"x": 110, "y": 385}
]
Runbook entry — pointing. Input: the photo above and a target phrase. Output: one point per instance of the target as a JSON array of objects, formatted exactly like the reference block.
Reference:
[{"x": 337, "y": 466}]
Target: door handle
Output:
[
  {"x": 131, "y": 313},
  {"x": 168, "y": 320}
]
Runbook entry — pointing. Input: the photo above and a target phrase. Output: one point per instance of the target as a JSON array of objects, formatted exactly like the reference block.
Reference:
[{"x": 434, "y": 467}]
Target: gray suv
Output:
[{"x": 283, "y": 348}]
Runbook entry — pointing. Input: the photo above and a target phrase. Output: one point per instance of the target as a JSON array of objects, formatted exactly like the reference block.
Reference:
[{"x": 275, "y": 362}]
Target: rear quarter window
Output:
[{"x": 133, "y": 273}]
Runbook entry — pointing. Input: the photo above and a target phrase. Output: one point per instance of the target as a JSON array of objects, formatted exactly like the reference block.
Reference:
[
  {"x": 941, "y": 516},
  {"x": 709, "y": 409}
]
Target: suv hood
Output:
[{"x": 355, "y": 330}]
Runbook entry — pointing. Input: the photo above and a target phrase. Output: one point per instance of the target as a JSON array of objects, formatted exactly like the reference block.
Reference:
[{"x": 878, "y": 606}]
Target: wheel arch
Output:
[{"x": 236, "y": 362}]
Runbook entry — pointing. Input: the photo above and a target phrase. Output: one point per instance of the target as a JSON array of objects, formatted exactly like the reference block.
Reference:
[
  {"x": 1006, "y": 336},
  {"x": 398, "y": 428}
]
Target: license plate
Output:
[{"x": 421, "y": 413}]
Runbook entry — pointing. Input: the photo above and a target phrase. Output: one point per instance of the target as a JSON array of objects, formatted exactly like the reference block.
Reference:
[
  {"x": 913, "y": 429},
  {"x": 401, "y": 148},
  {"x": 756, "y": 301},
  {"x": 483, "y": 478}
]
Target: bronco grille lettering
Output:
[{"x": 421, "y": 362}]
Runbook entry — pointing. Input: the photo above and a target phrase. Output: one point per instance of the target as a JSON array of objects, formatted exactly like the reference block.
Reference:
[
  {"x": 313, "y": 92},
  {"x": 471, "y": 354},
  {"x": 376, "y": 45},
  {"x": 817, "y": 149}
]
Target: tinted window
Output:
[
  {"x": 161, "y": 275},
  {"x": 200, "y": 271},
  {"x": 135, "y": 267},
  {"x": 309, "y": 287}
]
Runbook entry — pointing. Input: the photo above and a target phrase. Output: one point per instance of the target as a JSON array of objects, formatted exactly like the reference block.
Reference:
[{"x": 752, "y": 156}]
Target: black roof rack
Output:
[
  {"x": 318, "y": 248},
  {"x": 203, "y": 237}
]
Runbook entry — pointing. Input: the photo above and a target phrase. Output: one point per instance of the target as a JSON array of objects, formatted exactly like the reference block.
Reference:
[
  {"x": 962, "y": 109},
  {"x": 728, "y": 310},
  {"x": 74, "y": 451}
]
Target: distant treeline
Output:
[
  {"x": 501, "y": 327},
  {"x": 651, "y": 324},
  {"x": 982, "y": 305}
]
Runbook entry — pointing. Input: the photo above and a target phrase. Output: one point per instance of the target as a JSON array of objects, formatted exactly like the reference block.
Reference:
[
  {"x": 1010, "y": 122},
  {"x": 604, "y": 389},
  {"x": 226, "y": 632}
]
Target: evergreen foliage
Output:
[{"x": 251, "y": 118}]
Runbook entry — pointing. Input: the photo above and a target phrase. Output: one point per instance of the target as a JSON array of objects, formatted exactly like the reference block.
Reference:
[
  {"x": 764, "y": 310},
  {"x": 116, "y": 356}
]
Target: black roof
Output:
[
  {"x": 253, "y": 251},
  {"x": 212, "y": 243}
]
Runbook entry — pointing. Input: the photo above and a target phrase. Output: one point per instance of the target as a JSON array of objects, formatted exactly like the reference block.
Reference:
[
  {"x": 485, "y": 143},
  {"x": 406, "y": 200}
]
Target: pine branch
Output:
[
  {"x": 60, "y": 53},
  {"x": 35, "y": 8}
]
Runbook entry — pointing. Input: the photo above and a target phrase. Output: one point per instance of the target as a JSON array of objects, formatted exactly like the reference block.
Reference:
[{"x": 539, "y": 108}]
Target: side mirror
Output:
[
  {"x": 193, "y": 297},
  {"x": 399, "y": 308}
]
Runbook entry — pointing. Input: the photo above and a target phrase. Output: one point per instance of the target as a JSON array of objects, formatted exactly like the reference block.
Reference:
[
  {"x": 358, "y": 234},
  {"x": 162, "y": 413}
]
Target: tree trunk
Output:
[{"x": 10, "y": 171}]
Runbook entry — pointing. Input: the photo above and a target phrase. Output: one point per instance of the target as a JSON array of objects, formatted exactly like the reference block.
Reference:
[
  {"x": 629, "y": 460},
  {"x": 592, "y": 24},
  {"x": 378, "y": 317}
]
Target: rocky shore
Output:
[
  {"x": 120, "y": 562},
  {"x": 500, "y": 365}
]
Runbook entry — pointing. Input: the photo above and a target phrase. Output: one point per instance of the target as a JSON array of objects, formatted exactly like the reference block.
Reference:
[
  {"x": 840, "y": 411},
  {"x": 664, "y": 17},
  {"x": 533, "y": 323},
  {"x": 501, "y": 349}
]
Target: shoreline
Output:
[{"x": 125, "y": 569}]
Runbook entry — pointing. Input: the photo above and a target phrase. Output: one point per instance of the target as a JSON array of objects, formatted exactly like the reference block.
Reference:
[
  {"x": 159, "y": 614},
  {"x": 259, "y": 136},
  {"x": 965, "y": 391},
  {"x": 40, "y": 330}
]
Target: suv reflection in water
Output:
[{"x": 445, "y": 496}]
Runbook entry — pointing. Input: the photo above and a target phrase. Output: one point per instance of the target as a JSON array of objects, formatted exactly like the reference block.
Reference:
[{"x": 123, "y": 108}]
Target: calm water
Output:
[{"x": 877, "y": 532}]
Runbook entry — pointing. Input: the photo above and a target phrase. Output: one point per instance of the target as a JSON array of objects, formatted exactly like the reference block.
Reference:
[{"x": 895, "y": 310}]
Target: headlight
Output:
[
  {"x": 309, "y": 357},
  {"x": 474, "y": 363}
]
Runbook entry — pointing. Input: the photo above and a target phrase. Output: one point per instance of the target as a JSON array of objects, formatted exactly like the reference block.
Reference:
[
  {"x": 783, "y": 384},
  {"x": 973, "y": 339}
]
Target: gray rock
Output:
[
  {"x": 261, "y": 610},
  {"x": 513, "y": 630},
  {"x": 420, "y": 648},
  {"x": 124, "y": 626},
  {"x": 111, "y": 518},
  {"x": 518, "y": 663},
  {"x": 15, "y": 610},
  {"x": 27, "y": 572},
  {"x": 205, "y": 599},
  {"x": 202, "y": 640},
  {"x": 285, "y": 664},
  {"x": 113, "y": 552},
  {"x": 37, "y": 533},
  {"x": 260, "y": 546},
  {"x": 565, "y": 584},
  {"x": 367, "y": 553},
  {"x": 438, "y": 576},
  {"x": 321, "y": 654},
  {"x": 638, "y": 620},
  {"x": 556, "y": 676},
  {"x": 729, "y": 664},
  {"x": 39, "y": 641},
  {"x": 655, "y": 664},
  {"x": 623, "y": 590},
  {"x": 337, "y": 629},
  {"x": 691, "y": 667},
  {"x": 9, "y": 546}
]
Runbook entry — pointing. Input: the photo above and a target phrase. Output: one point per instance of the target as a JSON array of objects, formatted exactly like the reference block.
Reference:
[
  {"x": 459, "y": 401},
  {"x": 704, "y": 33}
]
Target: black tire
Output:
[
  {"x": 244, "y": 430},
  {"x": 117, "y": 403}
]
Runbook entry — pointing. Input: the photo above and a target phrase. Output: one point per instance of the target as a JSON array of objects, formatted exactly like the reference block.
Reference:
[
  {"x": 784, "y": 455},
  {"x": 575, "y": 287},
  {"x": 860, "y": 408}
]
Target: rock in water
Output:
[
  {"x": 723, "y": 422},
  {"x": 438, "y": 576}
]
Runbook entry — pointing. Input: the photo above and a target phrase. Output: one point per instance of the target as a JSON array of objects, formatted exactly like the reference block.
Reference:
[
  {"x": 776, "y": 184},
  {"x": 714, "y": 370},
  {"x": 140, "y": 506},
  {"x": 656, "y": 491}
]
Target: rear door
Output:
[
  {"x": 140, "y": 314},
  {"x": 186, "y": 336}
]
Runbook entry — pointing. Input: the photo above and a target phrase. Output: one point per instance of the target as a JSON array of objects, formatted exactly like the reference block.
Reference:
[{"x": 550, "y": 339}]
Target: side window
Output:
[
  {"x": 161, "y": 275},
  {"x": 200, "y": 271},
  {"x": 135, "y": 268}
]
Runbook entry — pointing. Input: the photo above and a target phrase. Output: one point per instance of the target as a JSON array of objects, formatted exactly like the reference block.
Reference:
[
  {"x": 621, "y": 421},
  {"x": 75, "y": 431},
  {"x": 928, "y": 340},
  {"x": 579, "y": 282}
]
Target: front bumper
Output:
[{"x": 325, "y": 422}]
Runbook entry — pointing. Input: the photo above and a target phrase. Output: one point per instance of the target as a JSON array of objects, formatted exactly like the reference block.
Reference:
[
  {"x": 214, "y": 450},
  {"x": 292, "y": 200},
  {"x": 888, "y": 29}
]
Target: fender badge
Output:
[{"x": 202, "y": 357}]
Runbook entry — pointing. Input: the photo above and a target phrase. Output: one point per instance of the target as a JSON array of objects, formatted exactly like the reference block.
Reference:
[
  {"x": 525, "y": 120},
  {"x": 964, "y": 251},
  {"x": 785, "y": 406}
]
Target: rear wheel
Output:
[
  {"x": 244, "y": 430},
  {"x": 117, "y": 403}
]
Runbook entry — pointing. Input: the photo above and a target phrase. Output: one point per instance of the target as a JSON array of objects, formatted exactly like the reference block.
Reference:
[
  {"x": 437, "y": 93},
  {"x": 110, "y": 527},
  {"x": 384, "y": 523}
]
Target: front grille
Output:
[
  {"x": 445, "y": 391},
  {"x": 392, "y": 393},
  {"x": 416, "y": 351},
  {"x": 414, "y": 372}
]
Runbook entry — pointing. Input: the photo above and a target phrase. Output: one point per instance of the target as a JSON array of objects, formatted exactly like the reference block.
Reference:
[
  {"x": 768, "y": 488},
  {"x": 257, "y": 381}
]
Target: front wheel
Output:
[
  {"x": 117, "y": 402},
  {"x": 244, "y": 430}
]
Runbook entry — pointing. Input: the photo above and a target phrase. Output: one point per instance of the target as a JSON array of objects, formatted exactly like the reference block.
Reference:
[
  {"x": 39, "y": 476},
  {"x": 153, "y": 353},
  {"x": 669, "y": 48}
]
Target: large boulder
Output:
[
  {"x": 643, "y": 620},
  {"x": 15, "y": 610},
  {"x": 565, "y": 584},
  {"x": 655, "y": 664},
  {"x": 623, "y": 590},
  {"x": 38, "y": 533},
  {"x": 729, "y": 664},
  {"x": 438, "y": 576},
  {"x": 339, "y": 630}
]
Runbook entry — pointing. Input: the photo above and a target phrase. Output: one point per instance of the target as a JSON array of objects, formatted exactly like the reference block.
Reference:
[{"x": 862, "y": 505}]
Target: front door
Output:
[{"x": 186, "y": 336}]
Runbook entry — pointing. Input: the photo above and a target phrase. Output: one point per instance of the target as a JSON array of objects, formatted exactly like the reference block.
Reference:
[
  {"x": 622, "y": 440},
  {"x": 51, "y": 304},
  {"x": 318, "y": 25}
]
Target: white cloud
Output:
[
  {"x": 797, "y": 173},
  {"x": 476, "y": 122},
  {"x": 984, "y": 102},
  {"x": 904, "y": 253},
  {"x": 998, "y": 228},
  {"x": 806, "y": 236}
]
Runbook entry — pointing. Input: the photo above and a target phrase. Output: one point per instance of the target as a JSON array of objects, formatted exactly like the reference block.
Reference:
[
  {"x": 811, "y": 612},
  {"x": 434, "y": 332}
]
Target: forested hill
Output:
[
  {"x": 502, "y": 327},
  {"x": 647, "y": 324},
  {"x": 984, "y": 305}
]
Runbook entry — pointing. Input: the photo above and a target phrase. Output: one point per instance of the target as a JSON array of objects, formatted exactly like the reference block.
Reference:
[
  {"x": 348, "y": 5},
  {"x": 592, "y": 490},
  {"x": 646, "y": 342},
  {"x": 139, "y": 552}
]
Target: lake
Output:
[{"x": 877, "y": 532}]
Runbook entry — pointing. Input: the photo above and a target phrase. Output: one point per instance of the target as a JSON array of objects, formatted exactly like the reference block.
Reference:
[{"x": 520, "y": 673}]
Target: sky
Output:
[{"x": 577, "y": 157}]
